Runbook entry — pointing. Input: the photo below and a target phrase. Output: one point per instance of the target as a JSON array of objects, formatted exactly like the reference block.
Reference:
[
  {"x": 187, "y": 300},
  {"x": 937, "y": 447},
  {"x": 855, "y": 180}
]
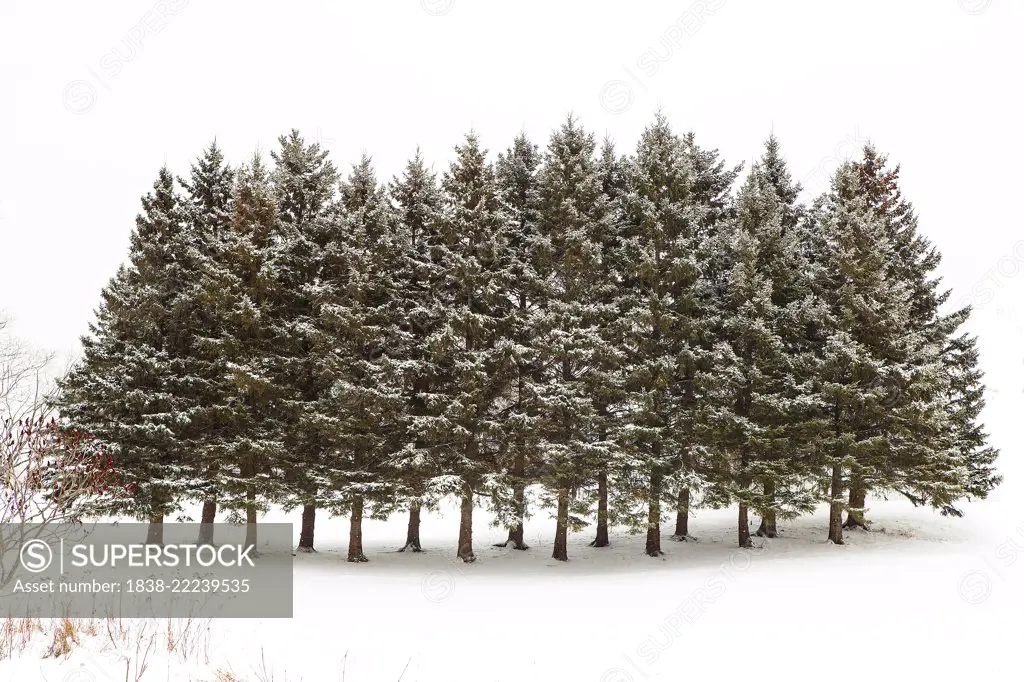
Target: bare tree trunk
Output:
[
  {"x": 767, "y": 529},
  {"x": 744, "y": 527},
  {"x": 682, "y": 533},
  {"x": 155, "y": 532},
  {"x": 561, "y": 550},
  {"x": 515, "y": 534},
  {"x": 835, "y": 517},
  {"x": 858, "y": 498},
  {"x": 412, "y": 533},
  {"x": 308, "y": 527},
  {"x": 466, "y": 525},
  {"x": 250, "y": 521},
  {"x": 206, "y": 522},
  {"x": 355, "y": 532},
  {"x": 654, "y": 516},
  {"x": 602, "y": 511}
]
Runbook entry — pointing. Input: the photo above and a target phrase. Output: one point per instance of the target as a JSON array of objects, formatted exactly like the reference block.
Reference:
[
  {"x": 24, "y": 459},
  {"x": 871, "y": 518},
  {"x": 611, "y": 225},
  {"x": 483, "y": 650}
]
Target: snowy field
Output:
[{"x": 920, "y": 597}]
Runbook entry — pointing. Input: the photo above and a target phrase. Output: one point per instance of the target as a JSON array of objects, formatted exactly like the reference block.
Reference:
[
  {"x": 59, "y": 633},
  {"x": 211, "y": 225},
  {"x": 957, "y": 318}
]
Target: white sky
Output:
[{"x": 935, "y": 84}]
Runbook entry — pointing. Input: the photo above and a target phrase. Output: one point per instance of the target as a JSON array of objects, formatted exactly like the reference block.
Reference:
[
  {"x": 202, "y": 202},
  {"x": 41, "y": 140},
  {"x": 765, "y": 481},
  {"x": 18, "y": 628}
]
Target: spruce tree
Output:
[
  {"x": 613, "y": 170},
  {"x": 246, "y": 295},
  {"x": 360, "y": 314},
  {"x": 516, "y": 175},
  {"x": 710, "y": 188},
  {"x": 475, "y": 359},
  {"x": 862, "y": 347},
  {"x": 133, "y": 388},
  {"x": 417, "y": 201},
  {"x": 763, "y": 323},
  {"x": 941, "y": 377},
  {"x": 784, "y": 484},
  {"x": 661, "y": 309},
  {"x": 574, "y": 352},
  {"x": 305, "y": 185},
  {"x": 208, "y": 212}
]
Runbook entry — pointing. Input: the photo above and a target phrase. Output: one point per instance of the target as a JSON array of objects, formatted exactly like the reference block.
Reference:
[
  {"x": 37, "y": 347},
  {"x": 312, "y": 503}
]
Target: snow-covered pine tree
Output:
[
  {"x": 571, "y": 329},
  {"x": 775, "y": 173},
  {"x": 305, "y": 185},
  {"x": 862, "y": 344},
  {"x": 417, "y": 201},
  {"x": 783, "y": 487},
  {"x": 476, "y": 360},
  {"x": 712, "y": 184},
  {"x": 660, "y": 311},
  {"x": 762, "y": 317},
  {"x": 516, "y": 175},
  {"x": 359, "y": 352},
  {"x": 208, "y": 213},
  {"x": 610, "y": 399},
  {"x": 710, "y": 189},
  {"x": 131, "y": 390},
  {"x": 245, "y": 294},
  {"x": 941, "y": 380}
]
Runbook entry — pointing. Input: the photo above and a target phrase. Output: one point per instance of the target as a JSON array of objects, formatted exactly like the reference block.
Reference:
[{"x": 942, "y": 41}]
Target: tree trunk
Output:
[
  {"x": 308, "y": 527},
  {"x": 858, "y": 498},
  {"x": 745, "y": 480},
  {"x": 355, "y": 532},
  {"x": 250, "y": 521},
  {"x": 561, "y": 551},
  {"x": 155, "y": 532},
  {"x": 835, "y": 517},
  {"x": 466, "y": 525},
  {"x": 515, "y": 534},
  {"x": 767, "y": 528},
  {"x": 515, "y": 538},
  {"x": 744, "y": 527},
  {"x": 602, "y": 511},
  {"x": 654, "y": 516},
  {"x": 682, "y": 533},
  {"x": 206, "y": 522},
  {"x": 412, "y": 533}
]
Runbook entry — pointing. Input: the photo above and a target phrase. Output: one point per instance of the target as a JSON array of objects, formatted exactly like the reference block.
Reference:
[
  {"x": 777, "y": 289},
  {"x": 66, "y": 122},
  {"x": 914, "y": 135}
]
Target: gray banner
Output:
[{"x": 107, "y": 570}]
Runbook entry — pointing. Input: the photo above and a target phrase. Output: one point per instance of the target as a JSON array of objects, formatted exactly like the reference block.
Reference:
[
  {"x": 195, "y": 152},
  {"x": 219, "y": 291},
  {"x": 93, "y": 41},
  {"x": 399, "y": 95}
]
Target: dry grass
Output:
[
  {"x": 131, "y": 643},
  {"x": 15, "y": 635},
  {"x": 64, "y": 639}
]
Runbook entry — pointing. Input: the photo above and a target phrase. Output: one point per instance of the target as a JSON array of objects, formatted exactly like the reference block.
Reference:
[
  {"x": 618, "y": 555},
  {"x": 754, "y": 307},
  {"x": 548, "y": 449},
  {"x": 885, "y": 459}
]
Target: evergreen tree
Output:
[
  {"x": 246, "y": 294},
  {"x": 783, "y": 486},
  {"x": 613, "y": 170},
  {"x": 763, "y": 323},
  {"x": 710, "y": 189},
  {"x": 208, "y": 212},
  {"x": 863, "y": 344},
  {"x": 475, "y": 358},
  {"x": 516, "y": 175},
  {"x": 359, "y": 300},
  {"x": 663, "y": 319},
  {"x": 305, "y": 185},
  {"x": 132, "y": 388},
  {"x": 417, "y": 200},
  {"x": 941, "y": 378},
  {"x": 572, "y": 344}
]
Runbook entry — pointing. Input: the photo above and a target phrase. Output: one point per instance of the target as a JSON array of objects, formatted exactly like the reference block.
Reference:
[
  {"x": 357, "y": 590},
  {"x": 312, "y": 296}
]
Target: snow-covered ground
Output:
[{"x": 925, "y": 598}]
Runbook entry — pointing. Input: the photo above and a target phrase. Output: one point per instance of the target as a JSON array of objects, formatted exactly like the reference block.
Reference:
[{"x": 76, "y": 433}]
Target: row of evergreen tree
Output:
[{"x": 613, "y": 336}]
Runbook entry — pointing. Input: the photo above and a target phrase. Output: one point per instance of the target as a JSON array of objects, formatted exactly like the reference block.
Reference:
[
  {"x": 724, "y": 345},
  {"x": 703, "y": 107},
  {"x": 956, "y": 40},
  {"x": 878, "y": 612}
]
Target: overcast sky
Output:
[{"x": 98, "y": 95}]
